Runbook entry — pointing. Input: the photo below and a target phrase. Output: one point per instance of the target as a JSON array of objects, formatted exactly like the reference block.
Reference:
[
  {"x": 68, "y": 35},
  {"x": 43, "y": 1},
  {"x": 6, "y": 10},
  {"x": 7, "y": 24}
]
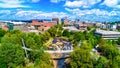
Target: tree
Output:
[
  {"x": 108, "y": 50},
  {"x": 2, "y": 33},
  {"x": 11, "y": 46},
  {"x": 52, "y": 31},
  {"x": 102, "y": 42},
  {"x": 45, "y": 36},
  {"x": 92, "y": 41},
  {"x": 81, "y": 58},
  {"x": 34, "y": 43},
  {"x": 89, "y": 28},
  {"x": 30, "y": 43},
  {"x": 66, "y": 33},
  {"x": 116, "y": 62},
  {"x": 11, "y": 38},
  {"x": 62, "y": 23},
  {"x": 59, "y": 33},
  {"x": 38, "y": 41},
  {"x": 77, "y": 36},
  {"x": 44, "y": 61},
  {"x": 12, "y": 55},
  {"x": 119, "y": 29},
  {"x": 118, "y": 42},
  {"x": 102, "y": 62},
  {"x": 14, "y": 31}
]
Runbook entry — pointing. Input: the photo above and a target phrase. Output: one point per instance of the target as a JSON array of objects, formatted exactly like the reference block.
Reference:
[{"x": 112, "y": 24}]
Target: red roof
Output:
[
  {"x": 43, "y": 28},
  {"x": 48, "y": 24},
  {"x": 35, "y": 22}
]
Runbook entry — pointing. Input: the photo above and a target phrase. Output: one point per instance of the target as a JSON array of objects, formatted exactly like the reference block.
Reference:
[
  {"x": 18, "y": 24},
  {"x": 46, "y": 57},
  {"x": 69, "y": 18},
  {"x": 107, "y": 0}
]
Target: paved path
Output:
[
  {"x": 58, "y": 51},
  {"x": 51, "y": 51}
]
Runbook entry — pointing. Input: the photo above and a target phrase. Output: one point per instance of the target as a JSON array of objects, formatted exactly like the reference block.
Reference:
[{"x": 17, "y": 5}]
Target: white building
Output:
[
  {"x": 113, "y": 27},
  {"x": 108, "y": 26},
  {"x": 108, "y": 34},
  {"x": 18, "y": 25}
]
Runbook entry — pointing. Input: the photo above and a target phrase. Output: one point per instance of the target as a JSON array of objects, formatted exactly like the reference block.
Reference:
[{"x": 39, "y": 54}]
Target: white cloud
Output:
[
  {"x": 5, "y": 11},
  {"x": 12, "y": 3},
  {"x": 112, "y": 3},
  {"x": 35, "y": 1},
  {"x": 91, "y": 15},
  {"x": 56, "y": 1},
  {"x": 96, "y": 12},
  {"x": 39, "y": 14},
  {"x": 27, "y": 15},
  {"x": 81, "y": 3},
  {"x": 74, "y": 3}
]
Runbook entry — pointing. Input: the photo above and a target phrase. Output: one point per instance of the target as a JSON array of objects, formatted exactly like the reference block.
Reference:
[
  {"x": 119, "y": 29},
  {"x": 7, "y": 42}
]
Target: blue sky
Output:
[{"x": 85, "y": 10}]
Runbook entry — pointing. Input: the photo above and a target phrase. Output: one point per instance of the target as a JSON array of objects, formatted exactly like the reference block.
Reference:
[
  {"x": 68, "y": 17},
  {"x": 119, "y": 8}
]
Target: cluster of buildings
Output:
[
  {"x": 26, "y": 26},
  {"x": 44, "y": 25},
  {"x": 110, "y": 26},
  {"x": 9, "y": 25},
  {"x": 106, "y": 30},
  {"x": 4, "y": 26}
]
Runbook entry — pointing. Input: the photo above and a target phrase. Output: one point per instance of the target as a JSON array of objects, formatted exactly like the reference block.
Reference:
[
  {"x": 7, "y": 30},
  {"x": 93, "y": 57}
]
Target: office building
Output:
[{"x": 108, "y": 34}]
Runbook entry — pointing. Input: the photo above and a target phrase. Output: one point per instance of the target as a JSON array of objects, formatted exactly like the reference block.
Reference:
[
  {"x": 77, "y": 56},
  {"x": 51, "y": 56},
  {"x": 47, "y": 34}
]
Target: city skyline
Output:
[{"x": 91, "y": 10}]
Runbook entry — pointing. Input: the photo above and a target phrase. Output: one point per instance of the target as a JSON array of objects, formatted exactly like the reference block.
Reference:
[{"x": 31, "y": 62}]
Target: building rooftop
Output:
[
  {"x": 49, "y": 24},
  {"x": 18, "y": 22},
  {"x": 106, "y": 32},
  {"x": 81, "y": 24},
  {"x": 71, "y": 28}
]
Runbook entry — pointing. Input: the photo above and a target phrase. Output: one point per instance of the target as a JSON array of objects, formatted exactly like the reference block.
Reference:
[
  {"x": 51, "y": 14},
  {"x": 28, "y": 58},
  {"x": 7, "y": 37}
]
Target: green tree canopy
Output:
[
  {"x": 52, "y": 31},
  {"x": 81, "y": 58},
  {"x": 44, "y": 61},
  {"x": 2, "y": 33},
  {"x": 11, "y": 55},
  {"x": 66, "y": 33}
]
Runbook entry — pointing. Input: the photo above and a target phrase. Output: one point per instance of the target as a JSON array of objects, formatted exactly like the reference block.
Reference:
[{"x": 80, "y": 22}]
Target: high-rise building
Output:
[
  {"x": 65, "y": 21},
  {"x": 10, "y": 26},
  {"x": 56, "y": 20}
]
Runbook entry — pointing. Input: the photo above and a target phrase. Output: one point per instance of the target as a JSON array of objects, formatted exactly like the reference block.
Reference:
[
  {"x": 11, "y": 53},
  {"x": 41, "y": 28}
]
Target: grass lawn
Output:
[
  {"x": 49, "y": 42},
  {"x": 65, "y": 38}
]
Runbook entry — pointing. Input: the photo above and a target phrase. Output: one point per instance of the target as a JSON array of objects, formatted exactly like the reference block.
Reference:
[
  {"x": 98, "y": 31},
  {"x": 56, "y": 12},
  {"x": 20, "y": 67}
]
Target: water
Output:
[
  {"x": 66, "y": 46},
  {"x": 61, "y": 63}
]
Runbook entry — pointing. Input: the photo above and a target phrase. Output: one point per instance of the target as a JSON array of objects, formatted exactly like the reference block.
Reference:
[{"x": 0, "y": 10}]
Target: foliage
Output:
[
  {"x": 119, "y": 29},
  {"x": 15, "y": 31},
  {"x": 81, "y": 58},
  {"x": 118, "y": 42},
  {"x": 89, "y": 28},
  {"x": 108, "y": 49},
  {"x": 33, "y": 42},
  {"x": 44, "y": 61},
  {"x": 52, "y": 31},
  {"x": 59, "y": 33},
  {"x": 2, "y": 33},
  {"x": 15, "y": 53},
  {"x": 102, "y": 62},
  {"x": 66, "y": 33},
  {"x": 45, "y": 36}
]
